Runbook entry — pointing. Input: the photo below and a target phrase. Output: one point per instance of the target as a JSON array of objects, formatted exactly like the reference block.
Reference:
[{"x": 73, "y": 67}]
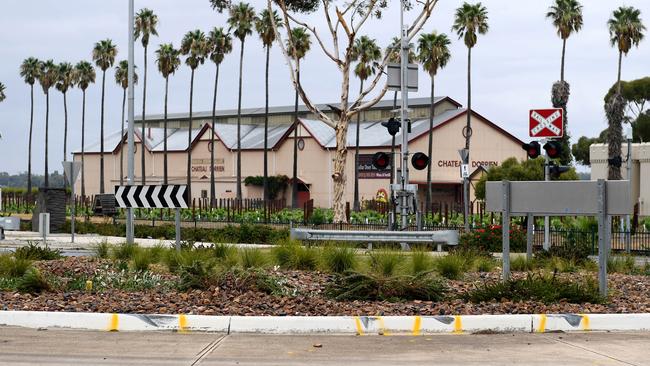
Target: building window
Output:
[{"x": 204, "y": 193}]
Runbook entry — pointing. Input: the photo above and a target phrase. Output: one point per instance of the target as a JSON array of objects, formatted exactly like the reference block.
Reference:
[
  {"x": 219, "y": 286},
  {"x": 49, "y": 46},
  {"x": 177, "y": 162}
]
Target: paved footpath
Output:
[{"x": 68, "y": 347}]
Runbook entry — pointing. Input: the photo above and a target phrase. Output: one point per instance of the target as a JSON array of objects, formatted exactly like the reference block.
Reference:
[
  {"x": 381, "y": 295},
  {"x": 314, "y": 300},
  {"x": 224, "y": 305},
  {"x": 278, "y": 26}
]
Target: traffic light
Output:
[
  {"x": 532, "y": 149},
  {"x": 420, "y": 161},
  {"x": 555, "y": 170},
  {"x": 553, "y": 149},
  {"x": 392, "y": 125},
  {"x": 616, "y": 161},
  {"x": 381, "y": 160}
]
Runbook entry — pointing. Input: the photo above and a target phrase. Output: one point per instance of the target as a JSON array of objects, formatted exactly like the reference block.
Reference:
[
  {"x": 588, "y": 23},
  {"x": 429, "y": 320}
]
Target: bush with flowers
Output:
[{"x": 489, "y": 239}]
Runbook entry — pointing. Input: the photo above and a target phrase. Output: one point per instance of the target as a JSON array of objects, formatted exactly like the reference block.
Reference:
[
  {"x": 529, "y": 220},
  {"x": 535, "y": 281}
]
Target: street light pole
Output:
[
  {"x": 131, "y": 127},
  {"x": 547, "y": 221},
  {"x": 628, "y": 228}
]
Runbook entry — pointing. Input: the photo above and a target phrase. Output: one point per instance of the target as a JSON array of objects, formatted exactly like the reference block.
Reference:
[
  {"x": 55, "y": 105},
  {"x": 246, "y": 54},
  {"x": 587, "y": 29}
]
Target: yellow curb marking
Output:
[
  {"x": 458, "y": 324},
  {"x": 416, "y": 325},
  {"x": 542, "y": 323},
  {"x": 115, "y": 321},
  {"x": 585, "y": 322},
  {"x": 357, "y": 322},
  {"x": 182, "y": 323},
  {"x": 382, "y": 327}
]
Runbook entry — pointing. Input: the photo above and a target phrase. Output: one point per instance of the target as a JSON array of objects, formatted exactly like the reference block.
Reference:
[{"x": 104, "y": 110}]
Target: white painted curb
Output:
[{"x": 354, "y": 325}]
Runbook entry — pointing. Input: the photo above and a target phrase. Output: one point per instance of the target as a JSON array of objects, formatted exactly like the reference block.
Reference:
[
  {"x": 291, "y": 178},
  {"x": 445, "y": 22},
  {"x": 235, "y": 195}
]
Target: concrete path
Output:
[{"x": 67, "y": 347}]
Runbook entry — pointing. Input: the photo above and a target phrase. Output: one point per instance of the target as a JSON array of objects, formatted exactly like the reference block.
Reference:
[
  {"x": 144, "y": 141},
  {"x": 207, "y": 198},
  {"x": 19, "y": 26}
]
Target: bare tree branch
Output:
[
  {"x": 371, "y": 6},
  {"x": 320, "y": 42},
  {"x": 333, "y": 31}
]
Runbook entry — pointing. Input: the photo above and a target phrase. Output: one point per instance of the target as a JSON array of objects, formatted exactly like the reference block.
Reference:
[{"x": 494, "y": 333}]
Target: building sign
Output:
[
  {"x": 368, "y": 171},
  {"x": 201, "y": 167},
  {"x": 475, "y": 164}
]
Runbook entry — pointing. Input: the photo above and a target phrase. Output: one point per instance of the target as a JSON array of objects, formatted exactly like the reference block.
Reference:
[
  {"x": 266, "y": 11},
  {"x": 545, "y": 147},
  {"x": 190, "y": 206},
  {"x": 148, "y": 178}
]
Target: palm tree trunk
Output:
[
  {"x": 165, "y": 176},
  {"x": 294, "y": 183},
  {"x": 469, "y": 99},
  {"x": 47, "y": 126},
  {"x": 241, "y": 63},
  {"x": 213, "y": 194},
  {"x": 620, "y": 63},
  {"x": 356, "y": 205},
  {"x": 144, "y": 104},
  {"x": 29, "y": 156},
  {"x": 101, "y": 142},
  {"x": 83, "y": 142},
  {"x": 563, "y": 54},
  {"x": 122, "y": 140},
  {"x": 65, "y": 129},
  {"x": 189, "y": 142},
  {"x": 432, "y": 112},
  {"x": 266, "y": 127}
]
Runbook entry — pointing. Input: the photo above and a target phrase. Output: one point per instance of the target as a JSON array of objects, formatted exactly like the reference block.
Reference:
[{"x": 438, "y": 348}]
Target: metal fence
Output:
[{"x": 639, "y": 241}]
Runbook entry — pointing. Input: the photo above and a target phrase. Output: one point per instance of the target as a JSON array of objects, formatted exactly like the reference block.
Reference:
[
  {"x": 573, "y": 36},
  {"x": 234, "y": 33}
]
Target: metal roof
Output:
[{"x": 382, "y": 104}]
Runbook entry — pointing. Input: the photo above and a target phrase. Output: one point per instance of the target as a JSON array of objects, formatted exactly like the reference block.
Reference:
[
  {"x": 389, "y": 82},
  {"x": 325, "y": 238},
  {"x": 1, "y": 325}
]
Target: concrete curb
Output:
[{"x": 353, "y": 325}]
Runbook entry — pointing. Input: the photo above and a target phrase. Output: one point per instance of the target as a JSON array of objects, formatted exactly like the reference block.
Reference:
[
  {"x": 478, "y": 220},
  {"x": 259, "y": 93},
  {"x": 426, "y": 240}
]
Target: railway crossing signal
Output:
[
  {"x": 532, "y": 149},
  {"x": 381, "y": 160},
  {"x": 420, "y": 161},
  {"x": 553, "y": 149}
]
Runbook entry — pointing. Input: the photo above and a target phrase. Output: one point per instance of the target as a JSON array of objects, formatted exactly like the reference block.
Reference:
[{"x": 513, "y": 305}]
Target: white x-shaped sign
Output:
[{"x": 546, "y": 123}]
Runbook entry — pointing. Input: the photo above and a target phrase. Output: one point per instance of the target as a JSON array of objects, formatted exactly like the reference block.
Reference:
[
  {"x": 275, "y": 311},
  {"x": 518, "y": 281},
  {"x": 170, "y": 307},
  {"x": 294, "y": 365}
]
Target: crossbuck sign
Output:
[{"x": 546, "y": 122}]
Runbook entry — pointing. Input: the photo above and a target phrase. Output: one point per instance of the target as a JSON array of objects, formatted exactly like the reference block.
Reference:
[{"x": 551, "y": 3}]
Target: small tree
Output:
[{"x": 168, "y": 62}]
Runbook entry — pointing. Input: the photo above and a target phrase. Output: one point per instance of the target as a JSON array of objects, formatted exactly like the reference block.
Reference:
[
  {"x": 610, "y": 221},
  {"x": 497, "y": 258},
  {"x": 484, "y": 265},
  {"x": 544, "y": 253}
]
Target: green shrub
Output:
[
  {"x": 101, "y": 250},
  {"x": 157, "y": 252},
  {"x": 32, "y": 282},
  {"x": 283, "y": 252},
  {"x": 141, "y": 260},
  {"x": 252, "y": 258},
  {"x": 36, "y": 253},
  {"x": 174, "y": 260},
  {"x": 339, "y": 258},
  {"x": 421, "y": 261},
  {"x": 13, "y": 267},
  {"x": 490, "y": 239},
  {"x": 574, "y": 250},
  {"x": 483, "y": 264},
  {"x": 521, "y": 264},
  {"x": 124, "y": 252},
  {"x": 543, "y": 288},
  {"x": 385, "y": 262},
  {"x": 371, "y": 287},
  {"x": 223, "y": 251},
  {"x": 451, "y": 266},
  {"x": 621, "y": 264},
  {"x": 292, "y": 255},
  {"x": 558, "y": 264},
  {"x": 196, "y": 275}
]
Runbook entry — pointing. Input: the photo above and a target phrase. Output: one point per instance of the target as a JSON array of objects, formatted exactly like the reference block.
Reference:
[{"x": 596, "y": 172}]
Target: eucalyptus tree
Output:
[
  {"x": 298, "y": 45},
  {"x": 122, "y": 79},
  {"x": 470, "y": 20},
  {"x": 344, "y": 23},
  {"x": 84, "y": 75},
  {"x": 145, "y": 26},
  {"x": 241, "y": 22},
  {"x": 47, "y": 77},
  {"x": 104, "y": 54},
  {"x": 433, "y": 54},
  {"x": 30, "y": 71},
  {"x": 625, "y": 30},
  {"x": 168, "y": 60},
  {"x": 567, "y": 19},
  {"x": 196, "y": 47},
  {"x": 366, "y": 53},
  {"x": 65, "y": 81},
  {"x": 220, "y": 45},
  {"x": 264, "y": 28}
]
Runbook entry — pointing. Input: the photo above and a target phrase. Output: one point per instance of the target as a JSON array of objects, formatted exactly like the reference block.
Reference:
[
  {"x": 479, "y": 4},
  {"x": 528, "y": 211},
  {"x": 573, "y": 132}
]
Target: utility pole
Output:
[
  {"x": 628, "y": 227},
  {"x": 404, "y": 167},
  {"x": 131, "y": 127},
  {"x": 547, "y": 228}
]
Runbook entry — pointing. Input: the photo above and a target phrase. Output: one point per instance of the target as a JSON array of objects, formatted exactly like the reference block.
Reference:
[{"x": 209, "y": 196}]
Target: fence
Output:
[{"x": 639, "y": 241}]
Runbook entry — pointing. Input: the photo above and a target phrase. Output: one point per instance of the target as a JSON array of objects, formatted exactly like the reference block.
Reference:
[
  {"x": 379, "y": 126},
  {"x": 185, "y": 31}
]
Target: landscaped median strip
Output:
[{"x": 354, "y": 325}]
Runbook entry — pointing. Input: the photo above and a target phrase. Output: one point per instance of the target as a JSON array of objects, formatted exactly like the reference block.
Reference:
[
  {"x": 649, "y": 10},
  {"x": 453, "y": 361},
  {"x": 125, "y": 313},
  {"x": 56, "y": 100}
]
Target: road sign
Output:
[
  {"x": 159, "y": 196},
  {"x": 464, "y": 171},
  {"x": 71, "y": 169},
  {"x": 546, "y": 122},
  {"x": 395, "y": 77}
]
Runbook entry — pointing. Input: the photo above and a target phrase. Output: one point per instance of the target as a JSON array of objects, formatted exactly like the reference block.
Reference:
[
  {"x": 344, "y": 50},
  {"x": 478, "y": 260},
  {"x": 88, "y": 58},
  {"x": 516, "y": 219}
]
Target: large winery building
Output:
[{"x": 490, "y": 145}]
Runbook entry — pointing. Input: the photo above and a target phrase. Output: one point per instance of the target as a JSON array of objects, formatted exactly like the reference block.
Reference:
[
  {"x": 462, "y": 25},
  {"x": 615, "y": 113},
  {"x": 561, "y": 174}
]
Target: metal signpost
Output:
[
  {"x": 158, "y": 196},
  {"x": 72, "y": 170},
  {"x": 601, "y": 198},
  {"x": 131, "y": 120}
]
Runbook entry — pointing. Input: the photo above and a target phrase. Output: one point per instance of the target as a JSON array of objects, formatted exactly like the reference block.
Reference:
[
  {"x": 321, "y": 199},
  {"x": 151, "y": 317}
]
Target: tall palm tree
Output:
[
  {"x": 626, "y": 30},
  {"x": 220, "y": 45},
  {"x": 196, "y": 47},
  {"x": 567, "y": 19},
  {"x": 366, "y": 52},
  {"x": 3, "y": 96},
  {"x": 264, "y": 27},
  {"x": 168, "y": 62},
  {"x": 122, "y": 79},
  {"x": 241, "y": 21},
  {"x": 30, "y": 71},
  {"x": 298, "y": 44},
  {"x": 64, "y": 83},
  {"x": 84, "y": 75},
  {"x": 104, "y": 54},
  {"x": 470, "y": 20},
  {"x": 47, "y": 77},
  {"x": 433, "y": 54},
  {"x": 145, "y": 25}
]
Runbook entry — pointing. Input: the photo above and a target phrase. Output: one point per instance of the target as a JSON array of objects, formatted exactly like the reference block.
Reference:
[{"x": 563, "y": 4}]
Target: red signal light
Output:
[
  {"x": 420, "y": 161},
  {"x": 381, "y": 160},
  {"x": 532, "y": 149},
  {"x": 553, "y": 149}
]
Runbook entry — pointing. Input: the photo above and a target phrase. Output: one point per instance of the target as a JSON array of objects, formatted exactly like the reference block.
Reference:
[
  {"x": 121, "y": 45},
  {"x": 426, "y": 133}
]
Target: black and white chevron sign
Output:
[{"x": 163, "y": 196}]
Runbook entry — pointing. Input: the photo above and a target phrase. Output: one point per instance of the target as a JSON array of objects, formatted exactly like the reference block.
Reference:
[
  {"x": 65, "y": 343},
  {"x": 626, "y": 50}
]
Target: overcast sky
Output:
[{"x": 514, "y": 66}]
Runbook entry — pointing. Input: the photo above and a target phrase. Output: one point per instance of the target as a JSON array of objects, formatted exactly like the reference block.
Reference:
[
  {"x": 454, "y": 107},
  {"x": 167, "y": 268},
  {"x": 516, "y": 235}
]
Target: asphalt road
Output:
[{"x": 69, "y": 347}]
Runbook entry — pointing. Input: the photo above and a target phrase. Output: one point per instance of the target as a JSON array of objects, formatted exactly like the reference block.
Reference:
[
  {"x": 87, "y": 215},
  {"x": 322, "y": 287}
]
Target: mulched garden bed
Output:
[{"x": 629, "y": 294}]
